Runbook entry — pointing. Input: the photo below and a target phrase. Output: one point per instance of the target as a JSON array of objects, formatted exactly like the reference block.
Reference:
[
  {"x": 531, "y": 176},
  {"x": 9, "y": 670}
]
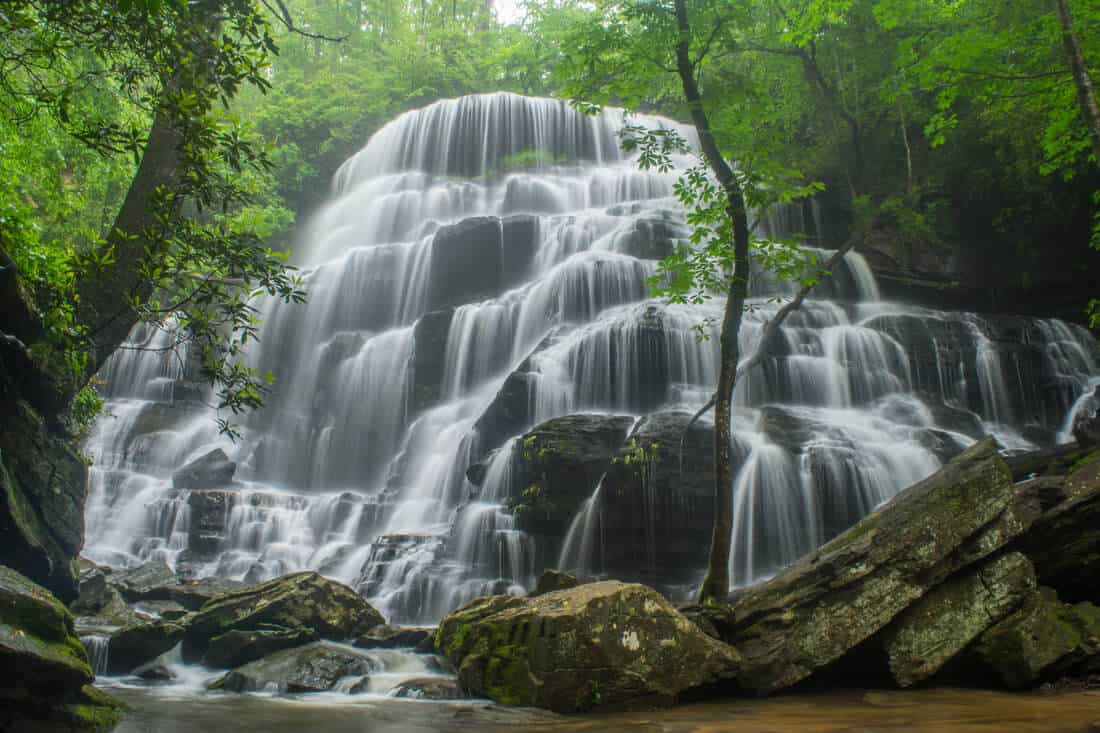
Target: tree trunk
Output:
[
  {"x": 1086, "y": 96},
  {"x": 105, "y": 306},
  {"x": 715, "y": 587}
]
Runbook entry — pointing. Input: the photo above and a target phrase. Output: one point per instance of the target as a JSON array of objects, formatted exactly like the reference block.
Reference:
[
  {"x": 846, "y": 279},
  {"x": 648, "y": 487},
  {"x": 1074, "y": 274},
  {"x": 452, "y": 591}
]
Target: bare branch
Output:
[{"x": 283, "y": 14}]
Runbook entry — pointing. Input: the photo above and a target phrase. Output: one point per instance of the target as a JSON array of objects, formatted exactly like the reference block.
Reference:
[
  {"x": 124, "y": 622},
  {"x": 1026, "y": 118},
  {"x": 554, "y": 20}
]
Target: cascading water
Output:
[{"x": 481, "y": 267}]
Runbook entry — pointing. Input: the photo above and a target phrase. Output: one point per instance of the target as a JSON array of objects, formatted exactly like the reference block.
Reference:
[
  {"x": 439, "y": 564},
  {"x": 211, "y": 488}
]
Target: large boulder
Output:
[
  {"x": 301, "y": 600},
  {"x": 42, "y": 493},
  {"x": 45, "y": 682},
  {"x": 144, "y": 581},
  {"x": 600, "y": 644},
  {"x": 393, "y": 637},
  {"x": 211, "y": 470},
  {"x": 829, "y": 602},
  {"x": 317, "y": 667},
  {"x": 428, "y": 688},
  {"x": 1043, "y": 640},
  {"x": 133, "y": 646},
  {"x": 943, "y": 622},
  {"x": 234, "y": 648}
]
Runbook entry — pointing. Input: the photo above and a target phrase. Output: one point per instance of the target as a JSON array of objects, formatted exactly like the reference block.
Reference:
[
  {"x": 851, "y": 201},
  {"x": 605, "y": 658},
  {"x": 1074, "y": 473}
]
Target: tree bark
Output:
[
  {"x": 105, "y": 307},
  {"x": 715, "y": 586},
  {"x": 1086, "y": 95}
]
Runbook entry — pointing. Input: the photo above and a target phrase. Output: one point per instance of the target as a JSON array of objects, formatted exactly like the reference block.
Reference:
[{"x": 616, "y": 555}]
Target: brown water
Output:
[{"x": 926, "y": 711}]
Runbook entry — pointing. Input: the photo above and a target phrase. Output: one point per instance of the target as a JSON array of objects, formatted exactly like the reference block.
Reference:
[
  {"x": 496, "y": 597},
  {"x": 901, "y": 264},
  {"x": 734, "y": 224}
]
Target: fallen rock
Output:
[
  {"x": 133, "y": 646},
  {"x": 428, "y": 688},
  {"x": 393, "y": 637},
  {"x": 45, "y": 678},
  {"x": 194, "y": 594},
  {"x": 835, "y": 598},
  {"x": 552, "y": 580},
  {"x": 234, "y": 648},
  {"x": 1045, "y": 639},
  {"x": 166, "y": 610},
  {"x": 600, "y": 644},
  {"x": 928, "y": 634},
  {"x": 314, "y": 668},
  {"x": 154, "y": 672},
  {"x": 212, "y": 470},
  {"x": 301, "y": 600},
  {"x": 144, "y": 582}
]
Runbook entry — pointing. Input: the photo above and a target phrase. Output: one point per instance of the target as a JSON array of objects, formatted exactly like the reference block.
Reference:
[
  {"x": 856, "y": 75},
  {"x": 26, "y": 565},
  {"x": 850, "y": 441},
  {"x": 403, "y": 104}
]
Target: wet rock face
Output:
[
  {"x": 42, "y": 493},
  {"x": 45, "y": 678},
  {"x": 600, "y": 644},
  {"x": 428, "y": 363},
  {"x": 314, "y": 668},
  {"x": 559, "y": 463},
  {"x": 480, "y": 257},
  {"x": 210, "y": 471},
  {"x": 301, "y": 600}
]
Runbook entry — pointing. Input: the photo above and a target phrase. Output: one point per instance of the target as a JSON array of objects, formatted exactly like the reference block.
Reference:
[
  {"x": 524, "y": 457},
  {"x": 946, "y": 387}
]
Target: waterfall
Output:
[{"x": 481, "y": 266}]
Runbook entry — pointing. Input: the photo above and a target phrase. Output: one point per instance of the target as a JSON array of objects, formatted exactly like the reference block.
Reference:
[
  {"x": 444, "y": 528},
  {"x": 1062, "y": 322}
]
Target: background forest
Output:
[{"x": 948, "y": 134}]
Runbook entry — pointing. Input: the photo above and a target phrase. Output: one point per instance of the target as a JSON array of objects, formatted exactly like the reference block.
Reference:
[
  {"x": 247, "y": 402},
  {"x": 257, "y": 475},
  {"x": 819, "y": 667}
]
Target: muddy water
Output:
[{"x": 926, "y": 711}]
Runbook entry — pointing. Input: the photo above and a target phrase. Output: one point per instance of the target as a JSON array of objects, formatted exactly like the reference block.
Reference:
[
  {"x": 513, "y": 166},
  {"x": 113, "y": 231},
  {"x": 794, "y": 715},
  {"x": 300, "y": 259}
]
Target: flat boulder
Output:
[
  {"x": 234, "y": 648},
  {"x": 300, "y": 600},
  {"x": 133, "y": 646},
  {"x": 211, "y": 470},
  {"x": 842, "y": 594},
  {"x": 317, "y": 667},
  {"x": 597, "y": 645},
  {"x": 393, "y": 637},
  {"x": 145, "y": 582},
  {"x": 428, "y": 688}
]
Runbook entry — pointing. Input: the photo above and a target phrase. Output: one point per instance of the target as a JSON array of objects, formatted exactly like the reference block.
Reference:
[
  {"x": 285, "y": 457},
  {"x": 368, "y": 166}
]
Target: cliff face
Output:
[{"x": 42, "y": 476}]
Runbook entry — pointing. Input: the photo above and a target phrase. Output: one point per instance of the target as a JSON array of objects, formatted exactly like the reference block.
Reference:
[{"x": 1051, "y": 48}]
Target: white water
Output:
[{"x": 357, "y": 465}]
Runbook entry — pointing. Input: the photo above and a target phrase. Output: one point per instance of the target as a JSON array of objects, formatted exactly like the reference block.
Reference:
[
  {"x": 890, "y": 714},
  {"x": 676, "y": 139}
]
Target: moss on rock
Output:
[{"x": 596, "y": 645}]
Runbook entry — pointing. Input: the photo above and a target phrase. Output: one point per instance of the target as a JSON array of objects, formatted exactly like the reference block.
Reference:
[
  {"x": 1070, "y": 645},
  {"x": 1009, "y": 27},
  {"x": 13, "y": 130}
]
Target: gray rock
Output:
[
  {"x": 314, "y": 668},
  {"x": 234, "y": 648},
  {"x": 212, "y": 470},
  {"x": 429, "y": 688},
  {"x": 552, "y": 580},
  {"x": 393, "y": 637},
  {"x": 133, "y": 646}
]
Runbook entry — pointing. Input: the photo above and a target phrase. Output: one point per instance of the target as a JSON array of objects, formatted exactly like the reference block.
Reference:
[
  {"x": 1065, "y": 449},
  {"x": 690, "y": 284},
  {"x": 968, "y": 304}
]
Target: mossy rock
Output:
[
  {"x": 606, "y": 644},
  {"x": 1043, "y": 640},
  {"x": 839, "y": 596},
  {"x": 234, "y": 648},
  {"x": 928, "y": 634},
  {"x": 45, "y": 682},
  {"x": 140, "y": 644},
  {"x": 298, "y": 601}
]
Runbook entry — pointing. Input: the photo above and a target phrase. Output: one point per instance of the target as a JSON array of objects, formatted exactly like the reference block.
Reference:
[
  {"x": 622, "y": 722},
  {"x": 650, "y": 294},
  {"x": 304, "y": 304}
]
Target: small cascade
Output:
[
  {"x": 99, "y": 650},
  {"x": 482, "y": 266}
]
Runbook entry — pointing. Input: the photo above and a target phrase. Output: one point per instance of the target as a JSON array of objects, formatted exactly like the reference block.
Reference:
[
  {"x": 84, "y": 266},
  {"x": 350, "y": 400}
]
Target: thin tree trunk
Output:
[
  {"x": 908, "y": 150},
  {"x": 1086, "y": 96},
  {"x": 715, "y": 587}
]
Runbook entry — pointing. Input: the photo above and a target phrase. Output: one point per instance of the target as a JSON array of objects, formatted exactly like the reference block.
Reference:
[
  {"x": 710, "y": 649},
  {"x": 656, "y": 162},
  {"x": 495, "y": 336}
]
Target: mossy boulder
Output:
[
  {"x": 606, "y": 644},
  {"x": 301, "y": 600},
  {"x": 140, "y": 644},
  {"x": 928, "y": 634},
  {"x": 314, "y": 668},
  {"x": 1044, "y": 639},
  {"x": 234, "y": 648},
  {"x": 45, "y": 678},
  {"x": 832, "y": 600}
]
